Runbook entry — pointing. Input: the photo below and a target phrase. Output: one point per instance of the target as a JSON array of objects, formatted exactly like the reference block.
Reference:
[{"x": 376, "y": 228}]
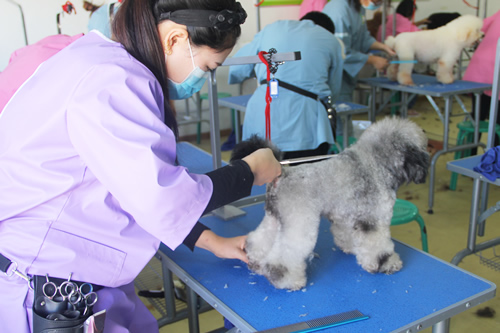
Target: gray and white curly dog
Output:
[{"x": 355, "y": 190}]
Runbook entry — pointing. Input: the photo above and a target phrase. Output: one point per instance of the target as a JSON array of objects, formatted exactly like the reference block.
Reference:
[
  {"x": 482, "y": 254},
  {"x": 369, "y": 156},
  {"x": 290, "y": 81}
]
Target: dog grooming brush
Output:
[{"x": 321, "y": 323}]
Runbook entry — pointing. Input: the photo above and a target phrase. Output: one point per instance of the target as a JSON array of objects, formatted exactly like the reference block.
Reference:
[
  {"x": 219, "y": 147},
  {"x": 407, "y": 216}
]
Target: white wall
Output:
[{"x": 40, "y": 18}]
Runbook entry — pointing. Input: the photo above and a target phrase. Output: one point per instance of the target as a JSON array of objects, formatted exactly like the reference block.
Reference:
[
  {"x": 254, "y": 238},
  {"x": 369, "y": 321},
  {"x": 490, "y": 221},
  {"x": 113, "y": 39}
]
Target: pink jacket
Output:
[
  {"x": 402, "y": 25},
  {"x": 25, "y": 61},
  {"x": 482, "y": 63},
  {"x": 311, "y": 5}
]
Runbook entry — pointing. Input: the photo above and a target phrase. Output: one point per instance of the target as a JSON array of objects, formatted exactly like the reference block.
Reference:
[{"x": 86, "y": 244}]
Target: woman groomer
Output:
[
  {"x": 350, "y": 27},
  {"x": 89, "y": 185}
]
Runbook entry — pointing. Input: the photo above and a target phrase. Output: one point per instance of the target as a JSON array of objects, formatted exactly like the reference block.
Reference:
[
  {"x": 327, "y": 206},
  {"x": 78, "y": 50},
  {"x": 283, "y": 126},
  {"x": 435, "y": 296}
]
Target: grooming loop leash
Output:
[{"x": 272, "y": 68}]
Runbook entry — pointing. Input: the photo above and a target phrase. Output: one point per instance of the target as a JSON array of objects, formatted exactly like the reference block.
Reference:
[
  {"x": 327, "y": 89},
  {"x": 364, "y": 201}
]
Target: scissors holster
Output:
[
  {"x": 45, "y": 308},
  {"x": 44, "y": 325}
]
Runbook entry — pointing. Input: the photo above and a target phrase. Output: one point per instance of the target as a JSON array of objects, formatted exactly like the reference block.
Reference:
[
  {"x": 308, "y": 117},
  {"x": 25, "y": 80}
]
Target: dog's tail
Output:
[
  {"x": 390, "y": 41},
  {"x": 245, "y": 148}
]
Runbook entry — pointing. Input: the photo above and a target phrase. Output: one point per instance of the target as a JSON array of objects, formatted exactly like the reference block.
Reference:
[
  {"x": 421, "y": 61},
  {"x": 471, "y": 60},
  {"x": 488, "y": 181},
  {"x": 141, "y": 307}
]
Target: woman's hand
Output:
[
  {"x": 228, "y": 248},
  {"x": 382, "y": 47},
  {"x": 378, "y": 62},
  {"x": 265, "y": 167}
]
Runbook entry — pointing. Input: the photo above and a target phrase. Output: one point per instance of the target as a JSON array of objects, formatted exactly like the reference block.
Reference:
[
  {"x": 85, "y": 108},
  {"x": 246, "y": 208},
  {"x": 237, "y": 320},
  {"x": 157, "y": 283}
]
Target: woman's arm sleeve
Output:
[{"x": 230, "y": 183}]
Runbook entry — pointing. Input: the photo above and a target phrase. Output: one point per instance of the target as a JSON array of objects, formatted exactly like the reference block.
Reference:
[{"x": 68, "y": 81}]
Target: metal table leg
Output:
[
  {"x": 404, "y": 105},
  {"x": 347, "y": 121},
  {"x": 441, "y": 327},
  {"x": 373, "y": 105},
  {"x": 448, "y": 105},
  {"x": 192, "y": 304}
]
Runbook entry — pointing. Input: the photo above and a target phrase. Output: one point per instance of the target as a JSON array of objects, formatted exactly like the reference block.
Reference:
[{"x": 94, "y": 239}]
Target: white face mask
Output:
[{"x": 191, "y": 84}]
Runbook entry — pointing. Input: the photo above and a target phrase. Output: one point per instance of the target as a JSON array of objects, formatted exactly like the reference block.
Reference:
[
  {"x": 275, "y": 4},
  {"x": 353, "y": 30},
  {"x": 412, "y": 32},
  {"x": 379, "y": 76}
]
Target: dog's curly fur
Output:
[
  {"x": 442, "y": 46},
  {"x": 355, "y": 190}
]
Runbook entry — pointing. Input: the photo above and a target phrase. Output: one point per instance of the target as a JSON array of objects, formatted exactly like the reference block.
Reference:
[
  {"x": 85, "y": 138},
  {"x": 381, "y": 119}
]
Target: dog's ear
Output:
[
  {"x": 245, "y": 148},
  {"x": 416, "y": 164}
]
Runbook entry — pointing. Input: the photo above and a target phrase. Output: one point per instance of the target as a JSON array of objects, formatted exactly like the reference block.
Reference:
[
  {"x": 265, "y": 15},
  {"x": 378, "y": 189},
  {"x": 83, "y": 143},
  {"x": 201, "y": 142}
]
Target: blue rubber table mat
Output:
[
  {"x": 428, "y": 85},
  {"x": 200, "y": 162},
  {"x": 235, "y": 102},
  {"x": 425, "y": 290}
]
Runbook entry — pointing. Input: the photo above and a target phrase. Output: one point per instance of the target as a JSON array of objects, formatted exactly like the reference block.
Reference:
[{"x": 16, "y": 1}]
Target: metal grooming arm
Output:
[
  {"x": 227, "y": 212},
  {"x": 22, "y": 19}
]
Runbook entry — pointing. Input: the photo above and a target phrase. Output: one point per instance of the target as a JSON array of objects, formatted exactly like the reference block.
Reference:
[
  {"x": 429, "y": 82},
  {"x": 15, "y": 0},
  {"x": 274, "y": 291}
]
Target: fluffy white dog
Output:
[
  {"x": 442, "y": 46},
  {"x": 355, "y": 190}
]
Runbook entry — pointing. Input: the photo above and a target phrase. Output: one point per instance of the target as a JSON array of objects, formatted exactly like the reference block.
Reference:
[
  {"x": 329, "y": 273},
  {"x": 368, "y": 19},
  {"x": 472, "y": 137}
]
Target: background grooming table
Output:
[
  {"x": 465, "y": 167},
  {"x": 344, "y": 109},
  {"x": 425, "y": 292},
  {"x": 430, "y": 87}
]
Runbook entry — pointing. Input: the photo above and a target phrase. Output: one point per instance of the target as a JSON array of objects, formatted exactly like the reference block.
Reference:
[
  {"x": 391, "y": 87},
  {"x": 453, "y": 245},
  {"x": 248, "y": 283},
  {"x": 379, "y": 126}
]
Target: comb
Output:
[
  {"x": 403, "y": 61},
  {"x": 321, "y": 323}
]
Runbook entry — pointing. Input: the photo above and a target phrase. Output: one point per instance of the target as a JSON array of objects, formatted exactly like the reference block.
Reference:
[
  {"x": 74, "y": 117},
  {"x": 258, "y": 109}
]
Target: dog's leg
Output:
[
  {"x": 287, "y": 261},
  {"x": 260, "y": 241},
  {"x": 374, "y": 248},
  {"x": 404, "y": 72},
  {"x": 444, "y": 72},
  {"x": 392, "y": 72},
  {"x": 342, "y": 236}
]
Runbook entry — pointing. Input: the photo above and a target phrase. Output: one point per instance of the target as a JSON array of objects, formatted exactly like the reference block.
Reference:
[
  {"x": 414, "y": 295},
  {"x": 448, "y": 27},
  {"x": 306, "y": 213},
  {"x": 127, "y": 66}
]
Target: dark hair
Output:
[
  {"x": 320, "y": 19},
  {"x": 135, "y": 27},
  {"x": 406, "y": 8},
  {"x": 356, "y": 4}
]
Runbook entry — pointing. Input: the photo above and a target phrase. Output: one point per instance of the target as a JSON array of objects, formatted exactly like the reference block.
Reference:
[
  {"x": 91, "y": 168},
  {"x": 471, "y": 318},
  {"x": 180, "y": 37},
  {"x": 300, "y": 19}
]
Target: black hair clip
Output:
[
  {"x": 223, "y": 20},
  {"x": 226, "y": 19}
]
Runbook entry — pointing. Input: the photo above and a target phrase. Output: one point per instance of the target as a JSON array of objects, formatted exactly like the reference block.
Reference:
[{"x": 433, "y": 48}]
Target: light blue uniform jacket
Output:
[
  {"x": 350, "y": 27},
  {"x": 297, "y": 122}
]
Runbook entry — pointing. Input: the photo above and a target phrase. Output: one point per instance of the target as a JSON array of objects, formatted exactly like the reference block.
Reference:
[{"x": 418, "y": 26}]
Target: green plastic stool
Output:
[
  {"x": 205, "y": 97},
  {"x": 405, "y": 212},
  {"x": 340, "y": 141},
  {"x": 396, "y": 98},
  {"x": 466, "y": 135}
]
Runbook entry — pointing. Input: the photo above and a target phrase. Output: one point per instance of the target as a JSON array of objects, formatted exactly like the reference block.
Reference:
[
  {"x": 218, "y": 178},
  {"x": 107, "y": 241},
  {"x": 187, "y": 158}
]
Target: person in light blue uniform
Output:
[
  {"x": 350, "y": 27},
  {"x": 299, "y": 124},
  {"x": 101, "y": 18}
]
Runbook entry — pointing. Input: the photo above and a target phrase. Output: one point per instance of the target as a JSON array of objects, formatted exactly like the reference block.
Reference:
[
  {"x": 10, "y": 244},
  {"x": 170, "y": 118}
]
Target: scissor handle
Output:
[
  {"x": 91, "y": 298},
  {"x": 47, "y": 287},
  {"x": 68, "y": 289},
  {"x": 84, "y": 286}
]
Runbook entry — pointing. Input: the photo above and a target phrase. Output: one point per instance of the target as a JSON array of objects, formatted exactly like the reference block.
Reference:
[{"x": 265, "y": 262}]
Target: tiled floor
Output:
[{"x": 447, "y": 228}]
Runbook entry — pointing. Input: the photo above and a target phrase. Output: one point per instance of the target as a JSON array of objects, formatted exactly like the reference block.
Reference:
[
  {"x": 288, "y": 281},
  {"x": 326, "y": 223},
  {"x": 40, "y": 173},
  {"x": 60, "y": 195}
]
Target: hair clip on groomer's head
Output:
[{"x": 223, "y": 20}]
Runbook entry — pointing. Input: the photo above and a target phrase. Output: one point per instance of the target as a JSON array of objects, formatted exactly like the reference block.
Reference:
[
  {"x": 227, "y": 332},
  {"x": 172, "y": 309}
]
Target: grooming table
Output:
[
  {"x": 478, "y": 215},
  {"x": 344, "y": 109},
  {"x": 430, "y": 87},
  {"x": 426, "y": 292}
]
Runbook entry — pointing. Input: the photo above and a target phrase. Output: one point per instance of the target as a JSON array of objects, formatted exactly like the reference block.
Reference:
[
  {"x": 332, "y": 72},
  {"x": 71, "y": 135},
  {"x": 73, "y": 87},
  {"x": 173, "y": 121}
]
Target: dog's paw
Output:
[
  {"x": 405, "y": 79},
  {"x": 445, "y": 78},
  {"x": 389, "y": 263},
  {"x": 282, "y": 278}
]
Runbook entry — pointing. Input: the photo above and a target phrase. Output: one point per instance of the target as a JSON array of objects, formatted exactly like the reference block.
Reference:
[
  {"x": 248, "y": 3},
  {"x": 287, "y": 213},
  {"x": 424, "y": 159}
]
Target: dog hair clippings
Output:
[{"x": 222, "y": 20}]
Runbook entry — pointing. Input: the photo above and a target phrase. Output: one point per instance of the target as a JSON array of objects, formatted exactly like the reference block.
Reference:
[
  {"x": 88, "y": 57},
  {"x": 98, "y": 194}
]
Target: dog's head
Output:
[
  {"x": 400, "y": 146},
  {"x": 467, "y": 29}
]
